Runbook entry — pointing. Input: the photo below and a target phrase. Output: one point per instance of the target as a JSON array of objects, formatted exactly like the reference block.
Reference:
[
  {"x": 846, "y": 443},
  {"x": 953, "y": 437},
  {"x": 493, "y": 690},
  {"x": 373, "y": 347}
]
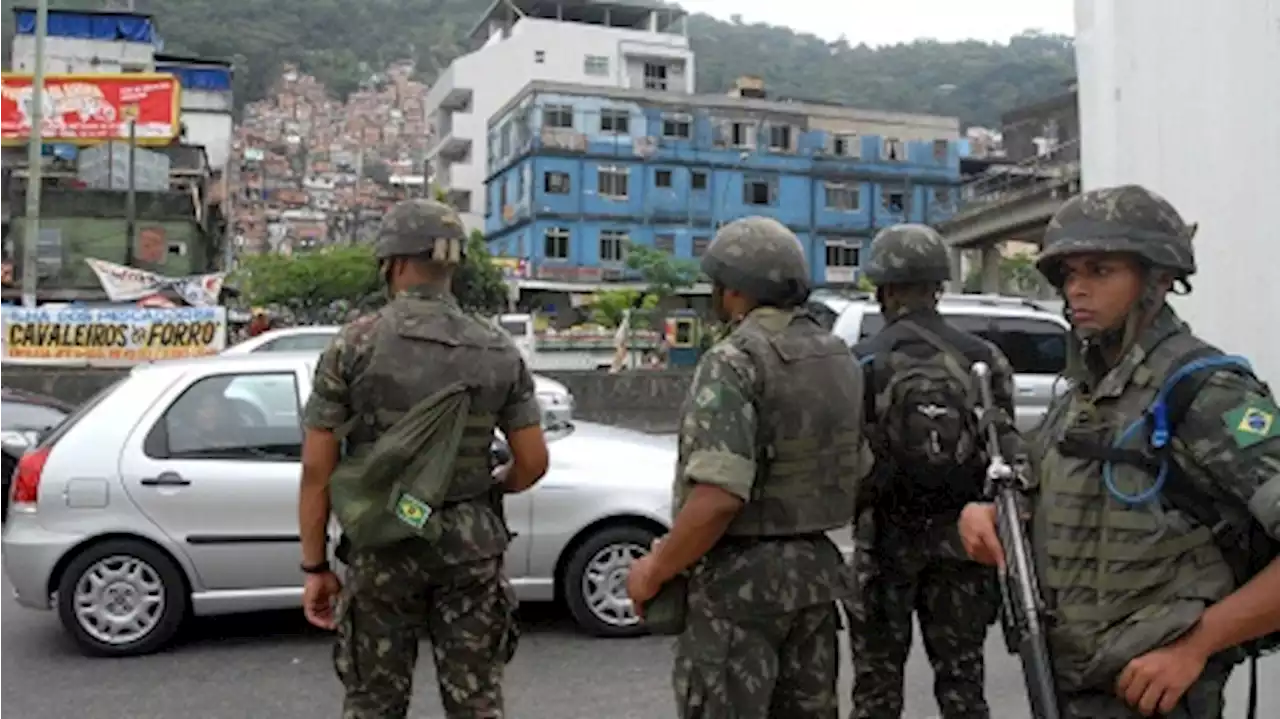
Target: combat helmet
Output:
[
  {"x": 1130, "y": 219},
  {"x": 908, "y": 254},
  {"x": 760, "y": 257},
  {"x": 422, "y": 227}
]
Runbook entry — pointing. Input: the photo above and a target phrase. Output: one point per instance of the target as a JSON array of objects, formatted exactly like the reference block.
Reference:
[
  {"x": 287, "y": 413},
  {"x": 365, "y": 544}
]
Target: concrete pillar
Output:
[
  {"x": 991, "y": 269},
  {"x": 957, "y": 270}
]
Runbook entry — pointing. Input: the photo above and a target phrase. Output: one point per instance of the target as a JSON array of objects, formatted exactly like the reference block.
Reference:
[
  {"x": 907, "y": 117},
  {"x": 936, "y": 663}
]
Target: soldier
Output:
[
  {"x": 770, "y": 455},
  {"x": 1150, "y": 606},
  {"x": 929, "y": 464},
  {"x": 413, "y": 566}
]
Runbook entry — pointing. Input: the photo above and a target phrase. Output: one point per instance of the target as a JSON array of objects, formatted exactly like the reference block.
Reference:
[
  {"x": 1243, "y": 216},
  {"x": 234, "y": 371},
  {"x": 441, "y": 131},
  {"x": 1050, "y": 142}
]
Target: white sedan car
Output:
[
  {"x": 554, "y": 397},
  {"x": 126, "y": 521}
]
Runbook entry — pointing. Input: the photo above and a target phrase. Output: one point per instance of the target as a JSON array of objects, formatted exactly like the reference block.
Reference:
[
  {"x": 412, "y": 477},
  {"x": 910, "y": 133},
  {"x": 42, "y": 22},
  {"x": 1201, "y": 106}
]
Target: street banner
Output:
[
  {"x": 88, "y": 109},
  {"x": 111, "y": 336},
  {"x": 125, "y": 284}
]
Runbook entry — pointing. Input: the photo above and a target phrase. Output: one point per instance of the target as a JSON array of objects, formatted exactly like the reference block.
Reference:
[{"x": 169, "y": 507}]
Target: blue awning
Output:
[
  {"x": 208, "y": 79},
  {"x": 90, "y": 26}
]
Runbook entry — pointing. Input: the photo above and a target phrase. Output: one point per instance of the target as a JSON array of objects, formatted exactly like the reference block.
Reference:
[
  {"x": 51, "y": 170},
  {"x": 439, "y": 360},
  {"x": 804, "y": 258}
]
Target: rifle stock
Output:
[{"x": 1022, "y": 613}]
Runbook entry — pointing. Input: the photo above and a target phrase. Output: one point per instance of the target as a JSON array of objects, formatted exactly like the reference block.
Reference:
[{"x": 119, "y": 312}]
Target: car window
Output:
[
  {"x": 245, "y": 416},
  {"x": 24, "y": 415},
  {"x": 872, "y": 323},
  {"x": 297, "y": 343},
  {"x": 516, "y": 328},
  {"x": 1032, "y": 346}
]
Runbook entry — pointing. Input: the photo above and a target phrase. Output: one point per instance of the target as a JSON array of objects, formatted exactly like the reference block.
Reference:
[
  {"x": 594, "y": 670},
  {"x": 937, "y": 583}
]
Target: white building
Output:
[
  {"x": 118, "y": 42},
  {"x": 622, "y": 43},
  {"x": 207, "y": 103}
]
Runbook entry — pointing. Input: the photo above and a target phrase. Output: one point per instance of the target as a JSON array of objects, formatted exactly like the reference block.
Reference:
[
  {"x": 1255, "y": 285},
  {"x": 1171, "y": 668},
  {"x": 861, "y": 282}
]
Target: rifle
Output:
[{"x": 1022, "y": 615}]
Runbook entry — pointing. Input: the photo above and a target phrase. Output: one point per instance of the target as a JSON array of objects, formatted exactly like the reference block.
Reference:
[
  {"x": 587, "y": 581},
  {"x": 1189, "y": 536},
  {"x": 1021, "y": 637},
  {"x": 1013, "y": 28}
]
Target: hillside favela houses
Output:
[
  {"x": 578, "y": 174},
  {"x": 106, "y": 72}
]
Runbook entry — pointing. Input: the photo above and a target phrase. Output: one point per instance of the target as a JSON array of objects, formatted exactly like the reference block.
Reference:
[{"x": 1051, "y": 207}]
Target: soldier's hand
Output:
[
  {"x": 320, "y": 598},
  {"x": 1156, "y": 681},
  {"x": 979, "y": 536}
]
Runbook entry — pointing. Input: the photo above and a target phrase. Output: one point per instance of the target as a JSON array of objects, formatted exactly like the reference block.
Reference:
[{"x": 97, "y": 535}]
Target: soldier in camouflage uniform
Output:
[
  {"x": 1148, "y": 606},
  {"x": 452, "y": 591},
  {"x": 770, "y": 455},
  {"x": 929, "y": 465}
]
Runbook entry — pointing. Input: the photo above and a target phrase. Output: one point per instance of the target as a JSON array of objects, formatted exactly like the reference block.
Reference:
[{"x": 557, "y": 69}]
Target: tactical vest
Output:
[
  {"x": 1119, "y": 579},
  {"x": 420, "y": 347},
  {"x": 809, "y": 409}
]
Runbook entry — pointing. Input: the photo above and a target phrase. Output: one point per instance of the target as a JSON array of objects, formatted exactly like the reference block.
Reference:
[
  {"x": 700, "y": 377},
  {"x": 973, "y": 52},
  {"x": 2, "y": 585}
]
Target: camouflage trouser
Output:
[
  {"x": 768, "y": 666},
  {"x": 762, "y": 637},
  {"x": 955, "y": 600},
  {"x": 1204, "y": 700},
  {"x": 390, "y": 602}
]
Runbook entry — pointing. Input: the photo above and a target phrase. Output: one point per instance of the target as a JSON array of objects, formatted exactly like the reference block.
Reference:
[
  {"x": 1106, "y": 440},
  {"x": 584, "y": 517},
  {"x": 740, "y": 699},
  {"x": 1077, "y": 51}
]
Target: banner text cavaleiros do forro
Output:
[{"x": 112, "y": 336}]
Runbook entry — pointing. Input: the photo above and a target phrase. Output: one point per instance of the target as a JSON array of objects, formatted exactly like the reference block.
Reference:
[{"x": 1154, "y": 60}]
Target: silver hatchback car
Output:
[{"x": 174, "y": 492}]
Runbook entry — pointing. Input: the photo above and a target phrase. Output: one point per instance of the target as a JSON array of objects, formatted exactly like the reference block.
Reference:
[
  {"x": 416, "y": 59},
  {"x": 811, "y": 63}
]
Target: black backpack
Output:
[{"x": 925, "y": 410}]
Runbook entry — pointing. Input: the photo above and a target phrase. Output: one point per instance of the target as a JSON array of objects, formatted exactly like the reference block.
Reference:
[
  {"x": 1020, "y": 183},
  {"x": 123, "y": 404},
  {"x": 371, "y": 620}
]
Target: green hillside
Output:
[{"x": 344, "y": 41}]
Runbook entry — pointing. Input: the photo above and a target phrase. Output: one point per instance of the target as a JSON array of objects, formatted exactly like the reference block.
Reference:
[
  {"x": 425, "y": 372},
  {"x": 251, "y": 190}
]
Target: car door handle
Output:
[
  {"x": 1026, "y": 391},
  {"x": 166, "y": 479}
]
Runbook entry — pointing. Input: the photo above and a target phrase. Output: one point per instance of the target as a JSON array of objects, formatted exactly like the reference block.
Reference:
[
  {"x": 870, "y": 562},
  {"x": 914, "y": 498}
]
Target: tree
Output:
[
  {"x": 311, "y": 283},
  {"x": 610, "y": 306},
  {"x": 1018, "y": 276},
  {"x": 665, "y": 275},
  {"x": 321, "y": 286},
  {"x": 478, "y": 283}
]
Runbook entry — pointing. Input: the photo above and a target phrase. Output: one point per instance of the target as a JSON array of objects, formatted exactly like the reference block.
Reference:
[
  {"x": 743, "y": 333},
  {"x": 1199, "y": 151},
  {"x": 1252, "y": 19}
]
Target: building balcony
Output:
[{"x": 450, "y": 147}]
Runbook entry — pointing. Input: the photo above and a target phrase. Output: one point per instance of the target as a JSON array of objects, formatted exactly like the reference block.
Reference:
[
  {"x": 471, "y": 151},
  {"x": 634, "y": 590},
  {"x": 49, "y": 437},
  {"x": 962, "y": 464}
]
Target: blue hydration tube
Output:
[{"x": 1158, "y": 412}]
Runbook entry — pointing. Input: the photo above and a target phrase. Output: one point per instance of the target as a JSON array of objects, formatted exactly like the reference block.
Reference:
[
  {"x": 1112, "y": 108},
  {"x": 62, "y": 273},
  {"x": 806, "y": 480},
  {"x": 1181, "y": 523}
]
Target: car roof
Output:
[
  {"x": 249, "y": 361},
  {"x": 14, "y": 394},
  {"x": 949, "y": 303}
]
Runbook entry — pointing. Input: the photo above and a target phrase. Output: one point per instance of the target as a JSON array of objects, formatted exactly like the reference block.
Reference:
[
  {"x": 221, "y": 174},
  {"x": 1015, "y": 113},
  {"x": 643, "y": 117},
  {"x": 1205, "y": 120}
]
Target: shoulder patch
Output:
[
  {"x": 1252, "y": 421},
  {"x": 708, "y": 397}
]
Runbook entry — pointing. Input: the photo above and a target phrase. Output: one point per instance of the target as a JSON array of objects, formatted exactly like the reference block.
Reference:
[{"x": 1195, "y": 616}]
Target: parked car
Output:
[
  {"x": 24, "y": 417},
  {"x": 1031, "y": 335},
  {"x": 554, "y": 397},
  {"x": 126, "y": 521}
]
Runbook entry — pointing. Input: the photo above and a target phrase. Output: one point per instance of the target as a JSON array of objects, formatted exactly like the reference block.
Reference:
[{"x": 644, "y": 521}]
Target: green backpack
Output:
[{"x": 389, "y": 492}]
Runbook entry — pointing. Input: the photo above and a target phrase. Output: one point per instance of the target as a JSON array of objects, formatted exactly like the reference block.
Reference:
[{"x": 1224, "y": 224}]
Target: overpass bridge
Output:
[{"x": 1012, "y": 204}]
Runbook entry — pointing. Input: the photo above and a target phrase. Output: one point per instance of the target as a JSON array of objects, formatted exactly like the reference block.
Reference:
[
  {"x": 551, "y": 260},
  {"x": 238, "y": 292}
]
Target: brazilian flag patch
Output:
[
  {"x": 412, "y": 511},
  {"x": 1252, "y": 422}
]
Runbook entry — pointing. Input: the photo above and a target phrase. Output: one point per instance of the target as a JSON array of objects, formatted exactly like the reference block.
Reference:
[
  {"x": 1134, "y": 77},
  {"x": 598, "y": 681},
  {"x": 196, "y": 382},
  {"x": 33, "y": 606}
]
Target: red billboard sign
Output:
[{"x": 88, "y": 109}]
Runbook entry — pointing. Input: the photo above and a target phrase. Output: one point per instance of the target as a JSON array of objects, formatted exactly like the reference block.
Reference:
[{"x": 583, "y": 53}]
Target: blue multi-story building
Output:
[{"x": 578, "y": 174}]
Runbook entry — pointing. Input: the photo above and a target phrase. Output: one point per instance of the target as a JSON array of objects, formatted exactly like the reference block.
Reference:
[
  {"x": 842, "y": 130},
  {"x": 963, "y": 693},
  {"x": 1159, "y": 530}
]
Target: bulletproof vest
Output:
[
  {"x": 809, "y": 409},
  {"x": 1120, "y": 579},
  {"x": 421, "y": 346}
]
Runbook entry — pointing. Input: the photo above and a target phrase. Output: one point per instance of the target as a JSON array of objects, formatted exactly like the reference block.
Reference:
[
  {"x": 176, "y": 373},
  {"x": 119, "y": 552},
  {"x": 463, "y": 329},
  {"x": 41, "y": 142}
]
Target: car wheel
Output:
[
  {"x": 121, "y": 598},
  {"x": 595, "y": 581}
]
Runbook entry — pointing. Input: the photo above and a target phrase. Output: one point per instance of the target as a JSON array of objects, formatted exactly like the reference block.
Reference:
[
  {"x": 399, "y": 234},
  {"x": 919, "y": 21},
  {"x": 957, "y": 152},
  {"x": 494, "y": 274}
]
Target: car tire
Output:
[
  {"x": 137, "y": 606},
  {"x": 595, "y": 580}
]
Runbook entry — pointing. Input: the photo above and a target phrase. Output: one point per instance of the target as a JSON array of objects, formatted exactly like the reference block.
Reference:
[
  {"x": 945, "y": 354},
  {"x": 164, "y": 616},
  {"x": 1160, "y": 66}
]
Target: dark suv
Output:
[{"x": 24, "y": 418}]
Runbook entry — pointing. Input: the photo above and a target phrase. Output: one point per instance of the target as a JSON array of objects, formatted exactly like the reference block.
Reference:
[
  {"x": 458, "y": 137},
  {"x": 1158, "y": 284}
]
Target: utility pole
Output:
[
  {"x": 31, "y": 226},
  {"x": 131, "y": 193}
]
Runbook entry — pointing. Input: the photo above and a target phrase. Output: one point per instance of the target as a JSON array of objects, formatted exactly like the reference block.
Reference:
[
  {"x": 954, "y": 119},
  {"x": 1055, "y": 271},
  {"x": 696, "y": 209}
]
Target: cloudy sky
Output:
[{"x": 881, "y": 22}]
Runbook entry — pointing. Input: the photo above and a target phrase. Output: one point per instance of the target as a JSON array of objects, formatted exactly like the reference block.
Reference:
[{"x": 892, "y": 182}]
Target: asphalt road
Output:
[{"x": 272, "y": 665}]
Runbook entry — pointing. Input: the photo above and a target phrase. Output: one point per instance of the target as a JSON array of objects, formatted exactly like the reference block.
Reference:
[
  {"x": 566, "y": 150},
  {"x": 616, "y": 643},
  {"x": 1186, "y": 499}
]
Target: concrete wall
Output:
[{"x": 648, "y": 401}]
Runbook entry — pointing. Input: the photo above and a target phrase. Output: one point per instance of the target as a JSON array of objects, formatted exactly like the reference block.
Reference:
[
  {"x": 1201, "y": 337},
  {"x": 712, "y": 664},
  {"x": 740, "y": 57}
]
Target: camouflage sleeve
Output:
[
  {"x": 329, "y": 405},
  {"x": 1232, "y": 431},
  {"x": 521, "y": 409},
  {"x": 718, "y": 429},
  {"x": 1003, "y": 389}
]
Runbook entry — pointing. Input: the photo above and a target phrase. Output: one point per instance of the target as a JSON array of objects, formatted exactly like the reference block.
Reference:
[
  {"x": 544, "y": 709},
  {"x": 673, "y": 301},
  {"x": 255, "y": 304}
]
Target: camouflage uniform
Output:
[
  {"x": 1124, "y": 575},
  {"x": 908, "y": 555},
  {"x": 773, "y": 417},
  {"x": 453, "y": 590}
]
